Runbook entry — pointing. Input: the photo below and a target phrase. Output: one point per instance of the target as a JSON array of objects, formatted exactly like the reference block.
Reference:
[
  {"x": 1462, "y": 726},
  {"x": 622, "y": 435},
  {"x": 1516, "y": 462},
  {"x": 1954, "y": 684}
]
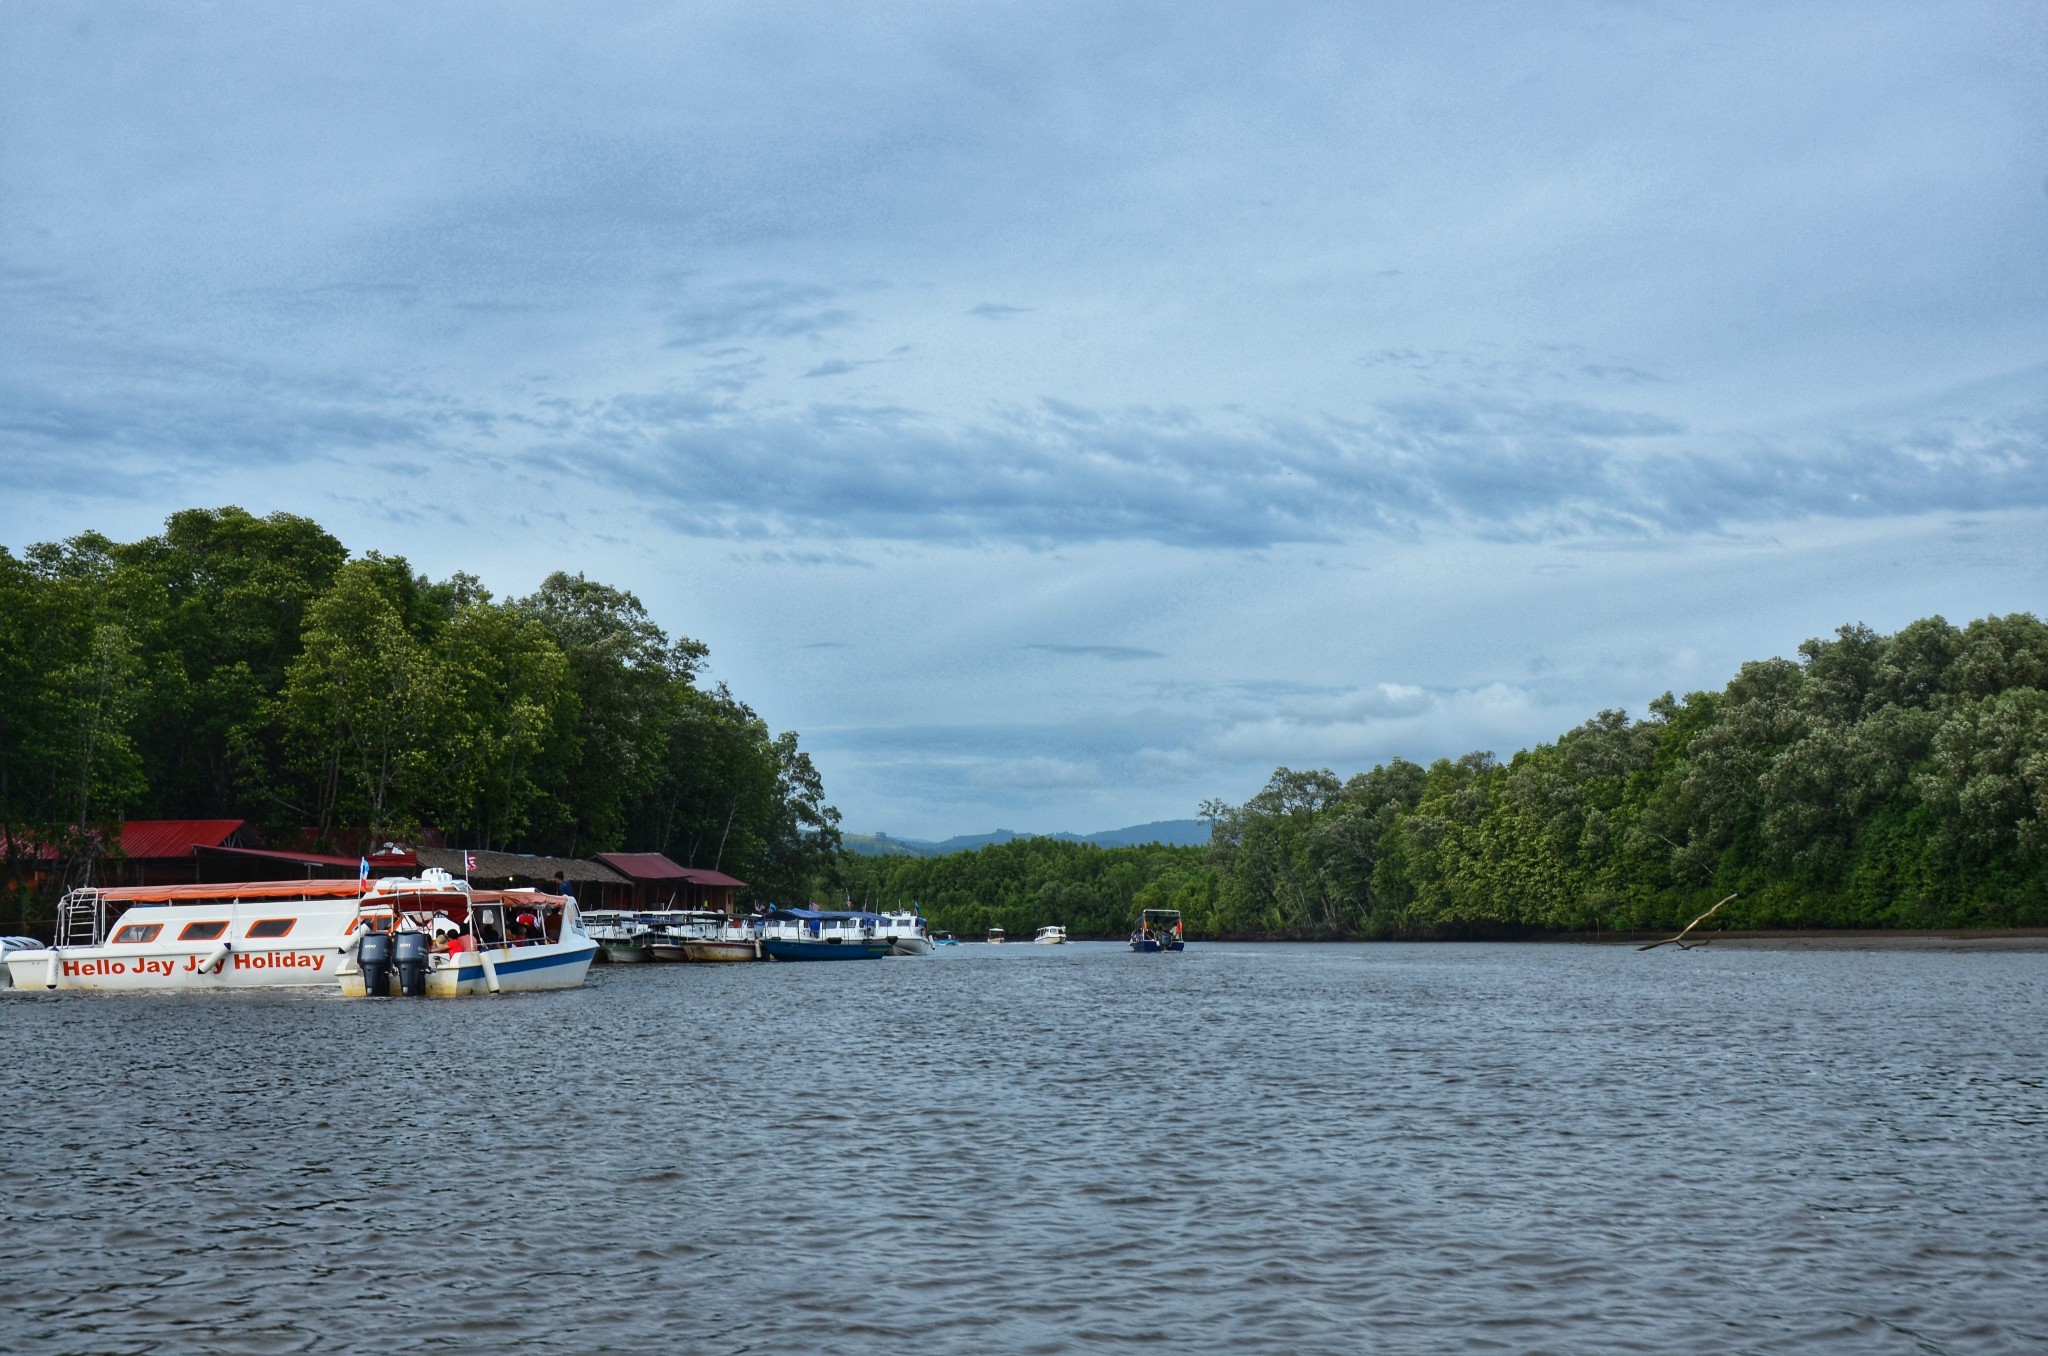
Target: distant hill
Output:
[{"x": 1179, "y": 832}]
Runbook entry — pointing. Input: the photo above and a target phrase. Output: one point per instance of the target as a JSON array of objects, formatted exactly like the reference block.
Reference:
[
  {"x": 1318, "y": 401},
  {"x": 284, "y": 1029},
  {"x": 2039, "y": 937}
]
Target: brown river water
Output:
[{"x": 1394, "y": 1148}]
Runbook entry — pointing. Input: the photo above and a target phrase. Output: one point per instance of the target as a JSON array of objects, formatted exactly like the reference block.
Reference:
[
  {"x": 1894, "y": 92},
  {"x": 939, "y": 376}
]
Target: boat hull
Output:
[
  {"x": 719, "y": 952},
  {"x": 911, "y": 946},
  {"x": 1150, "y": 944},
  {"x": 560, "y": 965},
  {"x": 125, "y": 969},
  {"x": 625, "y": 953},
  {"x": 782, "y": 949}
]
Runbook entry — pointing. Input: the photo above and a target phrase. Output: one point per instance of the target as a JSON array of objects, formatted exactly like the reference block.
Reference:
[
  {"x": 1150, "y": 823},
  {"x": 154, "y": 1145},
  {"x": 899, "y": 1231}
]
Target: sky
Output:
[{"x": 1063, "y": 414}]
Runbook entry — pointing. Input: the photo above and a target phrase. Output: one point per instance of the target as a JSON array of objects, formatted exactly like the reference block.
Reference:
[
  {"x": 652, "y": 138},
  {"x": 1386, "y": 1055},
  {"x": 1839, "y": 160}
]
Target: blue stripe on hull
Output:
[
  {"x": 517, "y": 967},
  {"x": 778, "y": 949}
]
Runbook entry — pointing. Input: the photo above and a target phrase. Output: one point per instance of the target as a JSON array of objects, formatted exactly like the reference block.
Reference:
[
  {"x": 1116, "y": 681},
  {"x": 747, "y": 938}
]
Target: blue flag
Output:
[{"x": 363, "y": 872}]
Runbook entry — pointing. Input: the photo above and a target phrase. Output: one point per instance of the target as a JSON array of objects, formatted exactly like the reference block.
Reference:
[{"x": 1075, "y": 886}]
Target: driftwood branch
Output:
[{"x": 1679, "y": 940}]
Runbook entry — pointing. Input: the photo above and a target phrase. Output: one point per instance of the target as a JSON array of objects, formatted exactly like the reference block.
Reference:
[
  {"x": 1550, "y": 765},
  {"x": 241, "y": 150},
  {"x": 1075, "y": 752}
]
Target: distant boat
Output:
[
  {"x": 944, "y": 939},
  {"x": 1158, "y": 930},
  {"x": 1052, "y": 934},
  {"x": 823, "y": 935},
  {"x": 995, "y": 936}
]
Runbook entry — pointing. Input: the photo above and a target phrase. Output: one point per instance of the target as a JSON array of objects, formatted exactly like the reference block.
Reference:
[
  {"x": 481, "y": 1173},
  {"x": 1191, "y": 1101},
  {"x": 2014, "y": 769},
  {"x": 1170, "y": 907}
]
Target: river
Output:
[{"x": 1371, "y": 1148}]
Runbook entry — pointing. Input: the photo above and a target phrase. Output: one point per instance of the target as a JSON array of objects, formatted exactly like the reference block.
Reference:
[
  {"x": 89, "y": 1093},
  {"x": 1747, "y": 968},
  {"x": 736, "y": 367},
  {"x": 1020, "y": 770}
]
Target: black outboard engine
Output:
[
  {"x": 409, "y": 956},
  {"x": 373, "y": 954}
]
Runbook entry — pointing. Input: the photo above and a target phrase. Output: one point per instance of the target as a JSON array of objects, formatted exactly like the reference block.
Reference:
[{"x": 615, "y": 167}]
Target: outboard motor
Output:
[
  {"x": 373, "y": 954},
  {"x": 409, "y": 956}
]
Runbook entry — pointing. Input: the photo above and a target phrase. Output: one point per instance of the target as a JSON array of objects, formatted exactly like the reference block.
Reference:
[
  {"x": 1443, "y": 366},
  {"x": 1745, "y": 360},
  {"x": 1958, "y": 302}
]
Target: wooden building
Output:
[{"x": 658, "y": 883}]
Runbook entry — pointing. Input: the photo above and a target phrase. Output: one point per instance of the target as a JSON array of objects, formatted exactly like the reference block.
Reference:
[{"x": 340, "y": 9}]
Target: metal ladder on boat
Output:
[{"x": 82, "y": 918}]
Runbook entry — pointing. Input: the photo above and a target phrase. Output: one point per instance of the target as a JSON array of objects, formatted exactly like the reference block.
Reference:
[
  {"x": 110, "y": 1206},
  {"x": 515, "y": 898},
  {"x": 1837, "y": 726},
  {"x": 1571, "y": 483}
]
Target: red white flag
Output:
[{"x": 468, "y": 862}]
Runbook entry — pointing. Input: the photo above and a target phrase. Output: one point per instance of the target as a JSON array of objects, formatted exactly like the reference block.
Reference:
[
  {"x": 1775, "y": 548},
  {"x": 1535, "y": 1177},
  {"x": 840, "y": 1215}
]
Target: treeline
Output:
[
  {"x": 1026, "y": 883},
  {"x": 1878, "y": 781},
  {"x": 242, "y": 667}
]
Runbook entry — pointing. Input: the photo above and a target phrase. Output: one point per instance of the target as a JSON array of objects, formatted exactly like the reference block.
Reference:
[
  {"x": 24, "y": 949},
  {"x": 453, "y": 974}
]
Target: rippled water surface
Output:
[{"x": 1243, "y": 1148}]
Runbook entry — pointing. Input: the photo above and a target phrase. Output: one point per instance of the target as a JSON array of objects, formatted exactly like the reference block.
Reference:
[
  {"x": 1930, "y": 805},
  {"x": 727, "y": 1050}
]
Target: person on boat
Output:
[
  {"x": 460, "y": 941},
  {"x": 563, "y": 887}
]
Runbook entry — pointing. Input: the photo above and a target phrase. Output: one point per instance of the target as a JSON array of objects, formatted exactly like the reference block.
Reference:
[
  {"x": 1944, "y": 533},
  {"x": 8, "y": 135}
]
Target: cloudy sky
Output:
[{"x": 1062, "y": 413}]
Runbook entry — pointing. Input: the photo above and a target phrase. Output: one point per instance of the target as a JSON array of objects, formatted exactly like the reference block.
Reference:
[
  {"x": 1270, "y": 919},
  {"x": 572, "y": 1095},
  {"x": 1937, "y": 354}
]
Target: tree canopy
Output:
[{"x": 240, "y": 667}]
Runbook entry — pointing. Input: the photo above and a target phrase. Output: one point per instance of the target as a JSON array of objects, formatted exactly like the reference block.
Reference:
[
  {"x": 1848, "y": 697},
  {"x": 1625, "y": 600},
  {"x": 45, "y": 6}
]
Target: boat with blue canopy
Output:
[{"x": 824, "y": 935}]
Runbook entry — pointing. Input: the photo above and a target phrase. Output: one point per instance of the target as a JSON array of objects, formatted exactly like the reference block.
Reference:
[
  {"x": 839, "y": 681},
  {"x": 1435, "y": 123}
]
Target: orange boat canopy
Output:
[{"x": 257, "y": 889}]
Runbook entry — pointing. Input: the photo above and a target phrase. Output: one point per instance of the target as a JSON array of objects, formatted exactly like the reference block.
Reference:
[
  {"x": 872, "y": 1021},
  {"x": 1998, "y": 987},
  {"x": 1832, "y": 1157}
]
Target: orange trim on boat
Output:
[{"x": 259, "y": 889}]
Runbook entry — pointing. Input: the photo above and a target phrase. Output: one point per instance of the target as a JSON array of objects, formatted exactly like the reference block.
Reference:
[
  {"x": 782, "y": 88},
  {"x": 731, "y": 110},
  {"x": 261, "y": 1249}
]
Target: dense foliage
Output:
[
  {"x": 248, "y": 668},
  {"x": 1878, "y": 781}
]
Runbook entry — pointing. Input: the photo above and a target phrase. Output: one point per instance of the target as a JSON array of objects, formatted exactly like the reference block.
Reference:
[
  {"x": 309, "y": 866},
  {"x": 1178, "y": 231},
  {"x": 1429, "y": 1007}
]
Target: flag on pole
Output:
[
  {"x": 468, "y": 864},
  {"x": 363, "y": 870}
]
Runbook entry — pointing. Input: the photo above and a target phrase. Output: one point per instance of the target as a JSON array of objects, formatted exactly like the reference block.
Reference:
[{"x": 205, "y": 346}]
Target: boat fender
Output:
[
  {"x": 51, "y": 970},
  {"x": 490, "y": 970},
  {"x": 215, "y": 959}
]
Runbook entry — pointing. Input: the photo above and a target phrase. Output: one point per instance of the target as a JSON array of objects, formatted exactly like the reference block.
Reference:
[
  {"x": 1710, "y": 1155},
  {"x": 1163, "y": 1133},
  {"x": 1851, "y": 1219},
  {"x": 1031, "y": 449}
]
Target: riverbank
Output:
[{"x": 1846, "y": 939}]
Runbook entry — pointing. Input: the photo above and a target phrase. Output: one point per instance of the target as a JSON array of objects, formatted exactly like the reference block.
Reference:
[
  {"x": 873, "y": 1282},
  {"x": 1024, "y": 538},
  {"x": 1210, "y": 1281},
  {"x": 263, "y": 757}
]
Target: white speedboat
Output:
[
  {"x": 436, "y": 938},
  {"x": 995, "y": 936},
  {"x": 233, "y": 936},
  {"x": 906, "y": 934},
  {"x": 1052, "y": 934}
]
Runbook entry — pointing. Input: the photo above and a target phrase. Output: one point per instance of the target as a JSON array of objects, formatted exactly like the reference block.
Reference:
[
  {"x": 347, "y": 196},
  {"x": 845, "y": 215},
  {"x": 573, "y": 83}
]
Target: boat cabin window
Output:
[
  {"x": 271, "y": 927},
  {"x": 202, "y": 932},
  {"x": 138, "y": 932}
]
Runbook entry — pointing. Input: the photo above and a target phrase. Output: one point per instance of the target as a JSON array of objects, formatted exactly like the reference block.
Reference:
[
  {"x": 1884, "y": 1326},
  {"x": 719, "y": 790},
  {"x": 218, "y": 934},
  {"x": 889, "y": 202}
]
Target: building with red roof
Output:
[{"x": 659, "y": 883}]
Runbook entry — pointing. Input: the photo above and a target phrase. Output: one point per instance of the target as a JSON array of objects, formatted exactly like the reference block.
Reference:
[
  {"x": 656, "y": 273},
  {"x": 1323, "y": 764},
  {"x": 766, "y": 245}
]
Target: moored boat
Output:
[
  {"x": 10, "y": 945},
  {"x": 822, "y": 935},
  {"x": 707, "y": 937},
  {"x": 435, "y": 937},
  {"x": 906, "y": 934},
  {"x": 621, "y": 936},
  {"x": 257, "y": 934},
  {"x": 1158, "y": 930}
]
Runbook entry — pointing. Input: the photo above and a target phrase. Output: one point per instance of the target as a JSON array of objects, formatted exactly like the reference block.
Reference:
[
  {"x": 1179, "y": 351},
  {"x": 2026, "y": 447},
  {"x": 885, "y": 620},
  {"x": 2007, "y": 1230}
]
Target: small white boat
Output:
[
  {"x": 1052, "y": 934},
  {"x": 995, "y": 936},
  {"x": 10, "y": 945},
  {"x": 906, "y": 934}
]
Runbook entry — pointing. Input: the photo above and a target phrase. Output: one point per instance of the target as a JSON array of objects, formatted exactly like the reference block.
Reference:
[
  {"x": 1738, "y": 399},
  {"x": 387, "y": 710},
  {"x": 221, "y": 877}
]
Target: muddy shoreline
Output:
[{"x": 1844, "y": 939}]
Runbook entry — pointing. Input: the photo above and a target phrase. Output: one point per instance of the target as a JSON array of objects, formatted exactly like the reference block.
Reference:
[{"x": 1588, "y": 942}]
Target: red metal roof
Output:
[
  {"x": 652, "y": 866},
  {"x": 697, "y": 875},
  {"x": 175, "y": 837}
]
